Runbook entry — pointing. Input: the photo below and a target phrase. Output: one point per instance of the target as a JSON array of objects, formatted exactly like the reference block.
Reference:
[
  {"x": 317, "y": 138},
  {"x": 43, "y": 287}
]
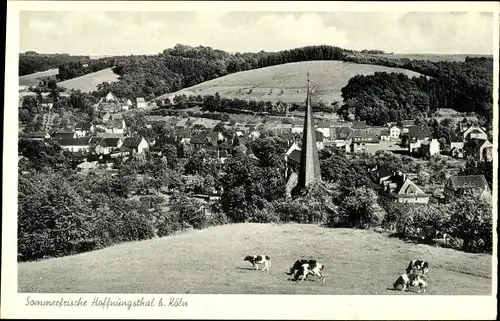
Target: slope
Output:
[
  {"x": 286, "y": 82},
  {"x": 211, "y": 261}
]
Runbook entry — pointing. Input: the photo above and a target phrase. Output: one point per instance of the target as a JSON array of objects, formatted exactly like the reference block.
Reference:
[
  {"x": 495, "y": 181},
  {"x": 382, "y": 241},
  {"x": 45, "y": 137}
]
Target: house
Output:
[
  {"x": 430, "y": 148},
  {"x": 83, "y": 129},
  {"x": 395, "y": 131},
  {"x": 402, "y": 190},
  {"x": 341, "y": 137},
  {"x": 108, "y": 144},
  {"x": 292, "y": 162},
  {"x": 361, "y": 139},
  {"x": 479, "y": 149},
  {"x": 385, "y": 135},
  {"x": 324, "y": 127},
  {"x": 416, "y": 136},
  {"x": 141, "y": 103},
  {"x": 137, "y": 145},
  {"x": 319, "y": 140},
  {"x": 62, "y": 134},
  {"x": 110, "y": 97},
  {"x": 183, "y": 136},
  {"x": 359, "y": 125},
  {"x": 198, "y": 127},
  {"x": 199, "y": 139},
  {"x": 47, "y": 103},
  {"x": 381, "y": 174},
  {"x": 469, "y": 184},
  {"x": 456, "y": 142},
  {"x": 115, "y": 126},
  {"x": 214, "y": 138},
  {"x": 474, "y": 132},
  {"x": 41, "y": 136},
  {"x": 75, "y": 145},
  {"x": 87, "y": 166},
  {"x": 457, "y": 152}
]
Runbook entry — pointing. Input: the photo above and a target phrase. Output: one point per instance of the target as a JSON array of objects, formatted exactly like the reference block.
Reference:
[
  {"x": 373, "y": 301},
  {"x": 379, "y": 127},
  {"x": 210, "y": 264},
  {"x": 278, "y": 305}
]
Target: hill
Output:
[
  {"x": 211, "y": 261},
  {"x": 89, "y": 82},
  {"x": 287, "y": 82},
  {"x": 33, "y": 79}
]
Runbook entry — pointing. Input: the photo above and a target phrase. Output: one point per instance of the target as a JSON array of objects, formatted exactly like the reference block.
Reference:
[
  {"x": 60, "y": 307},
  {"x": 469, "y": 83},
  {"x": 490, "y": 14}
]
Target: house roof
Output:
[
  {"x": 66, "y": 135},
  {"x": 385, "y": 132},
  {"x": 360, "y": 135},
  {"x": 383, "y": 172},
  {"x": 223, "y": 154},
  {"x": 319, "y": 136},
  {"x": 419, "y": 132},
  {"x": 295, "y": 155},
  {"x": 474, "y": 181},
  {"x": 407, "y": 186},
  {"x": 213, "y": 136},
  {"x": 115, "y": 123},
  {"x": 37, "y": 134},
  {"x": 132, "y": 142},
  {"x": 141, "y": 100},
  {"x": 359, "y": 124},
  {"x": 199, "y": 127},
  {"x": 323, "y": 124},
  {"x": 199, "y": 138},
  {"x": 73, "y": 142},
  {"x": 83, "y": 126},
  {"x": 109, "y": 141},
  {"x": 341, "y": 132}
]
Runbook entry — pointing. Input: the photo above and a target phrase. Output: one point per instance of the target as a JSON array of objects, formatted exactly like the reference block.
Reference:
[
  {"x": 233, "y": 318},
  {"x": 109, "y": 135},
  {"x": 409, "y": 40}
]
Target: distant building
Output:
[
  {"x": 475, "y": 132},
  {"x": 83, "y": 129},
  {"x": 115, "y": 126},
  {"x": 62, "y": 134},
  {"x": 403, "y": 190},
  {"x": 106, "y": 145},
  {"x": 479, "y": 149},
  {"x": 141, "y": 103},
  {"x": 74, "y": 144},
  {"x": 476, "y": 185},
  {"x": 361, "y": 139},
  {"x": 137, "y": 145},
  {"x": 430, "y": 148},
  {"x": 40, "y": 136},
  {"x": 395, "y": 131},
  {"x": 416, "y": 136},
  {"x": 385, "y": 135},
  {"x": 110, "y": 97}
]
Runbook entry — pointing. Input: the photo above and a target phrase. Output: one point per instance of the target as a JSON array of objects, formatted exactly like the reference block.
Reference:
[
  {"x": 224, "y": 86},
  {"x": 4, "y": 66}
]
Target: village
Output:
[{"x": 95, "y": 147}]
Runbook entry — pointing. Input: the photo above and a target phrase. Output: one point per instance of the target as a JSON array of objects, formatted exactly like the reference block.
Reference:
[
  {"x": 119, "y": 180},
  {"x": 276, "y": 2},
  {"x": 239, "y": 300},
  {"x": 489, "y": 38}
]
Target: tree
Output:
[{"x": 358, "y": 208}]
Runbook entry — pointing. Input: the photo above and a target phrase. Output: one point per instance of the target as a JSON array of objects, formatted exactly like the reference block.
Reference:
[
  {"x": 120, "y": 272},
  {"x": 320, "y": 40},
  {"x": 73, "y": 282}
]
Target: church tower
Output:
[{"x": 309, "y": 170}]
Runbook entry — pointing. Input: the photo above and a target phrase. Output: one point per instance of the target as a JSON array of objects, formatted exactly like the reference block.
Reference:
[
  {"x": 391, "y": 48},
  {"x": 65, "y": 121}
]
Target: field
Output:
[
  {"x": 89, "y": 82},
  {"x": 431, "y": 57},
  {"x": 32, "y": 79},
  {"x": 210, "y": 261},
  {"x": 287, "y": 82}
]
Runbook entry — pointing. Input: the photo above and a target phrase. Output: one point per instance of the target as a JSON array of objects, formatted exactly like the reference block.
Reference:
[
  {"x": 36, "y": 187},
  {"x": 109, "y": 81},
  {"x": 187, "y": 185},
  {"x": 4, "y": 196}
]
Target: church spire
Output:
[{"x": 309, "y": 170}]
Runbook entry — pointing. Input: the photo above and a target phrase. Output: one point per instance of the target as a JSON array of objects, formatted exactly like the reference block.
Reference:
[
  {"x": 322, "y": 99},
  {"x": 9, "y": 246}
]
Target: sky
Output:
[{"x": 122, "y": 33}]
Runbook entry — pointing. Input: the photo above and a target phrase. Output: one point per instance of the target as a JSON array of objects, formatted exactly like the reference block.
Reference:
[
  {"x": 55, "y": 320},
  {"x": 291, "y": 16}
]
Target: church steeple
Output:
[{"x": 309, "y": 170}]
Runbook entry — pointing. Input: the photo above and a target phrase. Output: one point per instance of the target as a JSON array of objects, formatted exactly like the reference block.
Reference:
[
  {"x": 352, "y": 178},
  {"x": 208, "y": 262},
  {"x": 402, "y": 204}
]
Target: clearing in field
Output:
[
  {"x": 33, "y": 79},
  {"x": 88, "y": 83},
  {"x": 287, "y": 82},
  {"x": 210, "y": 261}
]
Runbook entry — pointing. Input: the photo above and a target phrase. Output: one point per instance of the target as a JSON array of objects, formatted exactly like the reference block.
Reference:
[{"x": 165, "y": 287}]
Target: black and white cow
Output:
[
  {"x": 417, "y": 265},
  {"x": 307, "y": 269},
  {"x": 259, "y": 259},
  {"x": 404, "y": 282},
  {"x": 298, "y": 265}
]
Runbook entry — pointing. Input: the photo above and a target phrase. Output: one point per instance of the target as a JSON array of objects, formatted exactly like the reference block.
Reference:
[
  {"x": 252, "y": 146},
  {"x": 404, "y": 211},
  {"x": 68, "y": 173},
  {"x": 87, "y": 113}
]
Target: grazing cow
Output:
[
  {"x": 419, "y": 280},
  {"x": 307, "y": 269},
  {"x": 259, "y": 259},
  {"x": 298, "y": 265},
  {"x": 417, "y": 265},
  {"x": 403, "y": 280}
]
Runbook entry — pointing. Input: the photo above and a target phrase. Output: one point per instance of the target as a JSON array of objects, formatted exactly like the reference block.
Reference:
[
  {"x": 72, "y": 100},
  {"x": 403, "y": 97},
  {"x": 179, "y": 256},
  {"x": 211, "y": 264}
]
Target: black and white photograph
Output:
[{"x": 165, "y": 154}]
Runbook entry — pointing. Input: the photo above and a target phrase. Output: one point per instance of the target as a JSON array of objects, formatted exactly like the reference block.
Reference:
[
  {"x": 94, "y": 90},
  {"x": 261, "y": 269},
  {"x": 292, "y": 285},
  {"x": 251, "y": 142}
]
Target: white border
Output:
[{"x": 226, "y": 306}]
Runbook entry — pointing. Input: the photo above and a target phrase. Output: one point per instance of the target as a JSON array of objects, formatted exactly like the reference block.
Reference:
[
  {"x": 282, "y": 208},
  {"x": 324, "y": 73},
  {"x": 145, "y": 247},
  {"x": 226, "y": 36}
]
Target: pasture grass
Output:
[
  {"x": 88, "y": 83},
  {"x": 33, "y": 79},
  {"x": 287, "y": 82},
  {"x": 210, "y": 261}
]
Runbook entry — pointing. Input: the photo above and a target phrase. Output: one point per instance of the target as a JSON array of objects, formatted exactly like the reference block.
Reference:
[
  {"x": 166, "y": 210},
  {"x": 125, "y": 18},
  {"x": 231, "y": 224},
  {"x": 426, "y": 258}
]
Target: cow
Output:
[
  {"x": 259, "y": 259},
  {"x": 307, "y": 269},
  {"x": 414, "y": 280},
  {"x": 403, "y": 280},
  {"x": 298, "y": 264},
  {"x": 417, "y": 265}
]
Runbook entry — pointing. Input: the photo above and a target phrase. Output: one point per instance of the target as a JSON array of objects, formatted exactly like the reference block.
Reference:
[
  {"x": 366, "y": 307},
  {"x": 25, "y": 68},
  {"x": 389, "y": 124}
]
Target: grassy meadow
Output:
[
  {"x": 89, "y": 82},
  {"x": 33, "y": 79},
  {"x": 210, "y": 261},
  {"x": 287, "y": 82}
]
